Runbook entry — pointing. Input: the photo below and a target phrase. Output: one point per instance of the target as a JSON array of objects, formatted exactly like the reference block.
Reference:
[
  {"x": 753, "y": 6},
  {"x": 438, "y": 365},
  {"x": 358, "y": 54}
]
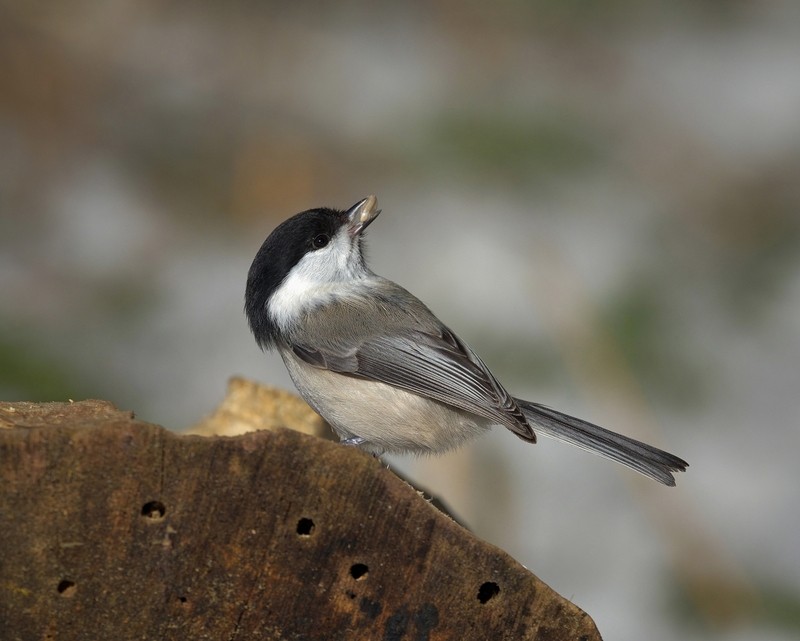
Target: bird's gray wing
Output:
[{"x": 436, "y": 365}]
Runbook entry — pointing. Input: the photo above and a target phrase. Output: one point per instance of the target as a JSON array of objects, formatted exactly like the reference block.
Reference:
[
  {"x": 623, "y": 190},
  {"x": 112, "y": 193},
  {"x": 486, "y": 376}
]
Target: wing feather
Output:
[{"x": 438, "y": 366}]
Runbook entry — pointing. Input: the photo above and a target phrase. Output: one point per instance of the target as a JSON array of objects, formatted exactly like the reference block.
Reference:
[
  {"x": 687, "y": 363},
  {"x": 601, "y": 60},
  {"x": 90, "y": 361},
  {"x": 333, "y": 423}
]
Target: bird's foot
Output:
[{"x": 358, "y": 441}]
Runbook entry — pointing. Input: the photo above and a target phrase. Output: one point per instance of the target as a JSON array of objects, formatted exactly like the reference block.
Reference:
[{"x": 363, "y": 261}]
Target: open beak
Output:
[{"x": 362, "y": 214}]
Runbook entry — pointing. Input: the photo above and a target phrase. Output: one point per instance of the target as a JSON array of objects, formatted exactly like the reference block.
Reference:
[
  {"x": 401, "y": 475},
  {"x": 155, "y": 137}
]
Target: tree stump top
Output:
[{"x": 113, "y": 528}]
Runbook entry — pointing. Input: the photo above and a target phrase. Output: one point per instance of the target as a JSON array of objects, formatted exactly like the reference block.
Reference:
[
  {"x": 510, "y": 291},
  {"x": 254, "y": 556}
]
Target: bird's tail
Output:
[{"x": 638, "y": 456}]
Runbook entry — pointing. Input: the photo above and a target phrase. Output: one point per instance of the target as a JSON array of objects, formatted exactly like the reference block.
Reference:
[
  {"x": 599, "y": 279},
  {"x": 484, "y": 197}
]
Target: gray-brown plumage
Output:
[{"x": 379, "y": 366}]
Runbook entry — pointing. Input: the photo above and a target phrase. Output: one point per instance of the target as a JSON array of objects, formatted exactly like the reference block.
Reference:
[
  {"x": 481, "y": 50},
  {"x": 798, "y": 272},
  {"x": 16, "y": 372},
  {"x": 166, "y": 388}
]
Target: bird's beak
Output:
[{"x": 362, "y": 214}]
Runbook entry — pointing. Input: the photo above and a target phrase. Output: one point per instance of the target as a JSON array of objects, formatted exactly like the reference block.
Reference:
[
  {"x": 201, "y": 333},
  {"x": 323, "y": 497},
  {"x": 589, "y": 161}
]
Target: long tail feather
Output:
[{"x": 646, "y": 459}]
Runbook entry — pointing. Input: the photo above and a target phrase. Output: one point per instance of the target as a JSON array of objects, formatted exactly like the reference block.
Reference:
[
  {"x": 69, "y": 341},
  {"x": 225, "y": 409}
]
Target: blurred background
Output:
[{"x": 603, "y": 199}]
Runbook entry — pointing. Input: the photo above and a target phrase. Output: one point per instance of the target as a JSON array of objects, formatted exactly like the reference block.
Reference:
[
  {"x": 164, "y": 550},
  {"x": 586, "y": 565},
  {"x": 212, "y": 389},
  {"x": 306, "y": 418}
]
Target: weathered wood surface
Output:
[{"x": 113, "y": 528}]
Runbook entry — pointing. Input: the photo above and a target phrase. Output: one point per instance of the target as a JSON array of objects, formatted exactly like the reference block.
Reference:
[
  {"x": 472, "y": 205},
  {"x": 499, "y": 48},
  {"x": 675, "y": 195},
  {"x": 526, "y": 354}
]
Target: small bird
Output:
[{"x": 379, "y": 366}]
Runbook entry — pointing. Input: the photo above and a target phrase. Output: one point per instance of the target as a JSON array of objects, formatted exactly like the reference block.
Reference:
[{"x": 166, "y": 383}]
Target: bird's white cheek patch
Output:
[
  {"x": 315, "y": 280},
  {"x": 296, "y": 294},
  {"x": 312, "y": 282}
]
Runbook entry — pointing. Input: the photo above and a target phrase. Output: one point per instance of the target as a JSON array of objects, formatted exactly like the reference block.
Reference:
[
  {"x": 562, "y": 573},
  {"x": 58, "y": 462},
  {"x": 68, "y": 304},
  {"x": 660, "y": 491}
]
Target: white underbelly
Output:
[{"x": 387, "y": 418}]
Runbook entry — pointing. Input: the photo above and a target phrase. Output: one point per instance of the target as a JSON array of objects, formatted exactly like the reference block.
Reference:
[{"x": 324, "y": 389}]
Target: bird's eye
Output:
[{"x": 320, "y": 240}]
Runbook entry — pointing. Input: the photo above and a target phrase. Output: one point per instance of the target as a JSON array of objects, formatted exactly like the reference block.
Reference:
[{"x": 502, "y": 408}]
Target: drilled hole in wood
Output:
[
  {"x": 67, "y": 588},
  {"x": 358, "y": 571},
  {"x": 154, "y": 510},
  {"x": 305, "y": 527},
  {"x": 488, "y": 591}
]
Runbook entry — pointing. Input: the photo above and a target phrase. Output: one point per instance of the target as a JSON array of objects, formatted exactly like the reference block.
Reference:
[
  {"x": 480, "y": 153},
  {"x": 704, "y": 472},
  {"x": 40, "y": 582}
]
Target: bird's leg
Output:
[{"x": 358, "y": 441}]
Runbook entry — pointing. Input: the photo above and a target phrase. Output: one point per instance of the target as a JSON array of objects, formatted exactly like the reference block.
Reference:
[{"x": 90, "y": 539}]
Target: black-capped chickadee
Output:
[{"x": 378, "y": 365}]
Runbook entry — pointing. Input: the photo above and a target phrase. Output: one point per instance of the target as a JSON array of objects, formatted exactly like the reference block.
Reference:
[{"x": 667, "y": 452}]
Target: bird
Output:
[{"x": 379, "y": 366}]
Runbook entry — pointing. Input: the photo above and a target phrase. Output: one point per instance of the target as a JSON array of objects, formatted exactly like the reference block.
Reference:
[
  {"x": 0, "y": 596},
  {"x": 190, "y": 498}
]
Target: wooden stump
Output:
[{"x": 113, "y": 528}]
